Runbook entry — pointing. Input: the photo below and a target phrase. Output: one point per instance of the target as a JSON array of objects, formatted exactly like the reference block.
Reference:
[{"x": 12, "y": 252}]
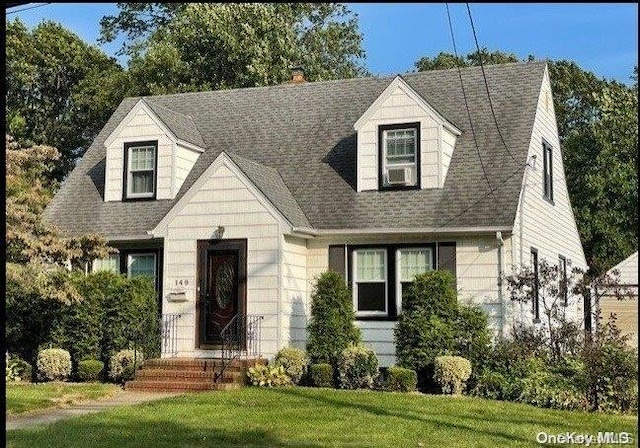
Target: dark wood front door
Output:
[{"x": 222, "y": 280}]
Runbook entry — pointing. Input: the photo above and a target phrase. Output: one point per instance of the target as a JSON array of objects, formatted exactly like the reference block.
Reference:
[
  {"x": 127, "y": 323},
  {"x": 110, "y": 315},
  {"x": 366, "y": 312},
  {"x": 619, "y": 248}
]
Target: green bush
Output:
[
  {"x": 357, "y": 367},
  {"x": 123, "y": 364},
  {"x": 321, "y": 375},
  {"x": 433, "y": 324},
  {"x": 53, "y": 364},
  {"x": 399, "y": 379},
  {"x": 18, "y": 369},
  {"x": 451, "y": 373},
  {"x": 268, "y": 376},
  {"x": 294, "y": 362},
  {"x": 90, "y": 370},
  {"x": 331, "y": 328}
]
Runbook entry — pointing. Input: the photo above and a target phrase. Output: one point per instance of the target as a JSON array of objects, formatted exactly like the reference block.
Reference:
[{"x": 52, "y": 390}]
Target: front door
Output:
[{"x": 221, "y": 272}]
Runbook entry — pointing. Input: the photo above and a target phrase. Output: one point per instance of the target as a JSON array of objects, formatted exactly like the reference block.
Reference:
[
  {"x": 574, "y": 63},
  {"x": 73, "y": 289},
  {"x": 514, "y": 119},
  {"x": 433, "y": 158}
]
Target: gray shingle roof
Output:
[
  {"x": 181, "y": 125},
  {"x": 303, "y": 136}
]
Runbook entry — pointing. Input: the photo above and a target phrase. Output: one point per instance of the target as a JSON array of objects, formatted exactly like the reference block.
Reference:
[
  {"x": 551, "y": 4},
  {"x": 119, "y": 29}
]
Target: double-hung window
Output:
[
  {"x": 141, "y": 264},
  {"x": 140, "y": 165},
  {"x": 110, "y": 264},
  {"x": 370, "y": 282},
  {"x": 547, "y": 174},
  {"x": 535, "y": 285},
  {"x": 399, "y": 155},
  {"x": 562, "y": 278},
  {"x": 409, "y": 263}
]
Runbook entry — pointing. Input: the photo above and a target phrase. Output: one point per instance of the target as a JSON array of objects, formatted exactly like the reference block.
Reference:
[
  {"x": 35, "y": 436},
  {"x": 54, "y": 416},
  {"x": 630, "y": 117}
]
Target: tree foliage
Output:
[
  {"x": 59, "y": 90},
  {"x": 191, "y": 47},
  {"x": 598, "y": 129},
  {"x": 29, "y": 238}
]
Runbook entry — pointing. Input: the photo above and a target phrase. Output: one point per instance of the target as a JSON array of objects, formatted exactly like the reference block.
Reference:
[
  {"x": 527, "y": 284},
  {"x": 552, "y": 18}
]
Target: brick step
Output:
[
  {"x": 200, "y": 364},
  {"x": 158, "y": 386},
  {"x": 187, "y": 375}
]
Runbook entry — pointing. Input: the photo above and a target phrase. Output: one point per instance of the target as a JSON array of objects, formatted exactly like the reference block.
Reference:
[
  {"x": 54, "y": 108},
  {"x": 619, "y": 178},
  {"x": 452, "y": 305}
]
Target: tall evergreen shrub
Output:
[{"x": 331, "y": 328}]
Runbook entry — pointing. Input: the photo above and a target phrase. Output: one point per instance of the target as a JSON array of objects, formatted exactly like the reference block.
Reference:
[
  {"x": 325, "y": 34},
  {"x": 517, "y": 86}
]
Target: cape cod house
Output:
[{"x": 234, "y": 200}]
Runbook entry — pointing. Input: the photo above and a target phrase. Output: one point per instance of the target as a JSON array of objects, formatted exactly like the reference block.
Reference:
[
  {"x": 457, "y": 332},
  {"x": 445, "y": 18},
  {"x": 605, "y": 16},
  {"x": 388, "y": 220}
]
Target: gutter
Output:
[{"x": 491, "y": 230}]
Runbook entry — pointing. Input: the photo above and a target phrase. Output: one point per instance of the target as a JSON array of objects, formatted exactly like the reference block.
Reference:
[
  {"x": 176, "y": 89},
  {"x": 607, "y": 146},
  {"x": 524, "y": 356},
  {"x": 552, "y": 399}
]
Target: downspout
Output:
[{"x": 503, "y": 306}]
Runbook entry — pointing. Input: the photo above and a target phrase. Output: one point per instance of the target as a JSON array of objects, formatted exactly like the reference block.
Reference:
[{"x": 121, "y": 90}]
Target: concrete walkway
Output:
[{"x": 46, "y": 416}]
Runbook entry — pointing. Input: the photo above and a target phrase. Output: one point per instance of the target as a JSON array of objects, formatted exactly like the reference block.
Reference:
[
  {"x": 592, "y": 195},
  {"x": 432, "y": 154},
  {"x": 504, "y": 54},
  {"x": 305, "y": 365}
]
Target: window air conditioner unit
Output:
[{"x": 398, "y": 176}]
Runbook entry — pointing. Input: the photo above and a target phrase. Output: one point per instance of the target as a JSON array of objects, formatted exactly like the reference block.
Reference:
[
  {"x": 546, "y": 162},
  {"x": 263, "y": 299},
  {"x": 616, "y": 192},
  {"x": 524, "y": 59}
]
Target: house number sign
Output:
[{"x": 182, "y": 282}]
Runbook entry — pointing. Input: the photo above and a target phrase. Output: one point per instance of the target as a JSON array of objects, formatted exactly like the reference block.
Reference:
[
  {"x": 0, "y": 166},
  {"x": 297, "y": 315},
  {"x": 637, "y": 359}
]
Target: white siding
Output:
[
  {"x": 476, "y": 272},
  {"x": 399, "y": 108},
  {"x": 140, "y": 127},
  {"x": 448, "y": 145},
  {"x": 185, "y": 159},
  {"x": 224, "y": 200},
  {"x": 294, "y": 290},
  {"x": 550, "y": 228}
]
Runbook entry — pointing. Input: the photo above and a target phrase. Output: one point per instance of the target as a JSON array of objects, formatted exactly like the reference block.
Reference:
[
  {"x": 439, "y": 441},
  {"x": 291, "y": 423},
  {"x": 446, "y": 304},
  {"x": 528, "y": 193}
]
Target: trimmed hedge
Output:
[
  {"x": 321, "y": 375},
  {"x": 294, "y": 362},
  {"x": 90, "y": 370},
  {"x": 53, "y": 364},
  {"x": 451, "y": 373},
  {"x": 399, "y": 379},
  {"x": 357, "y": 367}
]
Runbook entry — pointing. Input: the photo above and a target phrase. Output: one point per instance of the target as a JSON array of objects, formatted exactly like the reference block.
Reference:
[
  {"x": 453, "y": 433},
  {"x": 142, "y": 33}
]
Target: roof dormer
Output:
[
  {"x": 150, "y": 153},
  {"x": 403, "y": 142}
]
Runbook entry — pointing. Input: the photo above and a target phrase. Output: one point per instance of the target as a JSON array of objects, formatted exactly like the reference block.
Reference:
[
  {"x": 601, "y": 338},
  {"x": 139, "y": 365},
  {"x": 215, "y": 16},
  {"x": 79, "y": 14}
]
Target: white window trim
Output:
[
  {"x": 155, "y": 264},
  {"x": 150, "y": 194},
  {"x": 115, "y": 256},
  {"x": 413, "y": 165},
  {"x": 354, "y": 284},
  {"x": 398, "y": 272}
]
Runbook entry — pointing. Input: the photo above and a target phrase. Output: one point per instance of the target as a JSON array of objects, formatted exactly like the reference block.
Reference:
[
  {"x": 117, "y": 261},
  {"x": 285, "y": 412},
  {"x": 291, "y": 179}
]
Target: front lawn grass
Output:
[
  {"x": 25, "y": 397},
  {"x": 296, "y": 417}
]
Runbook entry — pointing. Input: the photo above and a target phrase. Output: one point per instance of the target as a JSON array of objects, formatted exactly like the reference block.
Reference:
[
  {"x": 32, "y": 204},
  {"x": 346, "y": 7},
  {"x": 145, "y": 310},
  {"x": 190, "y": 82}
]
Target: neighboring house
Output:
[
  {"x": 626, "y": 310},
  {"x": 234, "y": 200}
]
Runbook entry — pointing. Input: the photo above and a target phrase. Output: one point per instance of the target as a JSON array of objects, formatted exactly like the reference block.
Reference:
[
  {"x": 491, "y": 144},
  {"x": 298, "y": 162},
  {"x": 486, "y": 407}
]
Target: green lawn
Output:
[
  {"x": 24, "y": 397},
  {"x": 297, "y": 417}
]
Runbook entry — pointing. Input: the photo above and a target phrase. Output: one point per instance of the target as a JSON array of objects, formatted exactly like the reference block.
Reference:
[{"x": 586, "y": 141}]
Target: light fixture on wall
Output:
[{"x": 218, "y": 233}]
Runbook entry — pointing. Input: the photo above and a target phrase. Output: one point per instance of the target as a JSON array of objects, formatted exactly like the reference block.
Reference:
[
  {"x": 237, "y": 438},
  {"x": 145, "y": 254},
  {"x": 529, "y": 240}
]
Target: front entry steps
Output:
[{"x": 190, "y": 374}]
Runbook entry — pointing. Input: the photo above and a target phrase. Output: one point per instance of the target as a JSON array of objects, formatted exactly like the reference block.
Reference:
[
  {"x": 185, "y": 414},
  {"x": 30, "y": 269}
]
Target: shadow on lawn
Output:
[
  {"x": 433, "y": 416},
  {"x": 136, "y": 433}
]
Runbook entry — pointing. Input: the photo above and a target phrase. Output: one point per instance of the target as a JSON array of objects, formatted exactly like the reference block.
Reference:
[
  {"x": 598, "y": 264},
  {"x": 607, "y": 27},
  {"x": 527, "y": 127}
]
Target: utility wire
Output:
[
  {"x": 466, "y": 104},
  {"x": 26, "y": 9},
  {"x": 486, "y": 84}
]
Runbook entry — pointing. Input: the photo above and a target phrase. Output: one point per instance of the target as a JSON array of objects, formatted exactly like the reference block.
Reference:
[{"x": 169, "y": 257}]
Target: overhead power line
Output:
[
  {"x": 486, "y": 84},
  {"x": 24, "y": 9},
  {"x": 466, "y": 104}
]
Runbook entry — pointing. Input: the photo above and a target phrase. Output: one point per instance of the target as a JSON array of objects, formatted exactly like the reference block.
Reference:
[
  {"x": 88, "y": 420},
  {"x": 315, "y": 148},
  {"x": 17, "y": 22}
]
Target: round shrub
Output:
[
  {"x": 294, "y": 362},
  {"x": 17, "y": 369},
  {"x": 331, "y": 328},
  {"x": 122, "y": 365},
  {"x": 357, "y": 367},
  {"x": 90, "y": 370},
  {"x": 268, "y": 376},
  {"x": 53, "y": 364},
  {"x": 400, "y": 379},
  {"x": 451, "y": 373},
  {"x": 321, "y": 375}
]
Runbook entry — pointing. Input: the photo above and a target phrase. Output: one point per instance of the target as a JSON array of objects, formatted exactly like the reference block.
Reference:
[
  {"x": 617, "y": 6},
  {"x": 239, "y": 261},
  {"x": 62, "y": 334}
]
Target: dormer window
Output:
[
  {"x": 141, "y": 162},
  {"x": 399, "y": 152}
]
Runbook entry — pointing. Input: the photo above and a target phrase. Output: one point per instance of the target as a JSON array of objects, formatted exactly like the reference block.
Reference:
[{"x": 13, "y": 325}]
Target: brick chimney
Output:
[{"x": 297, "y": 75}]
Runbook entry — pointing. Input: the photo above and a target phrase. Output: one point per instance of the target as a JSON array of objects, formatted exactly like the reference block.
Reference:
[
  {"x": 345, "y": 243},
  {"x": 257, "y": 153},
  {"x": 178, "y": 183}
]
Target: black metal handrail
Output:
[
  {"x": 240, "y": 338},
  {"x": 170, "y": 334}
]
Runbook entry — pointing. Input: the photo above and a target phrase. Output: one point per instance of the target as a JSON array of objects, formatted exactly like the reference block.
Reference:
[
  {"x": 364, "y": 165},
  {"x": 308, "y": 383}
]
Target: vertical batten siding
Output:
[
  {"x": 398, "y": 108},
  {"x": 140, "y": 127},
  {"x": 224, "y": 200},
  {"x": 185, "y": 159},
  {"x": 294, "y": 289},
  {"x": 550, "y": 228},
  {"x": 476, "y": 272}
]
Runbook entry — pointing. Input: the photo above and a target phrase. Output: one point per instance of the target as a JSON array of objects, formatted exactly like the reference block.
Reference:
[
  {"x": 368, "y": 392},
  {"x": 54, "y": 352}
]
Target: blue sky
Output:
[{"x": 600, "y": 37}]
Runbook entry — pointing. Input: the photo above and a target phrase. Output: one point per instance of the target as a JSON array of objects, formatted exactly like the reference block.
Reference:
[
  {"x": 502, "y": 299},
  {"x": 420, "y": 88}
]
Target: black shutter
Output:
[
  {"x": 336, "y": 260},
  {"x": 447, "y": 257}
]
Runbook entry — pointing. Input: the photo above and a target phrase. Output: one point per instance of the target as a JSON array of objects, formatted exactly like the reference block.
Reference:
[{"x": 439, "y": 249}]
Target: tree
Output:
[
  {"x": 217, "y": 46},
  {"x": 60, "y": 91},
  {"x": 598, "y": 129},
  {"x": 29, "y": 238}
]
